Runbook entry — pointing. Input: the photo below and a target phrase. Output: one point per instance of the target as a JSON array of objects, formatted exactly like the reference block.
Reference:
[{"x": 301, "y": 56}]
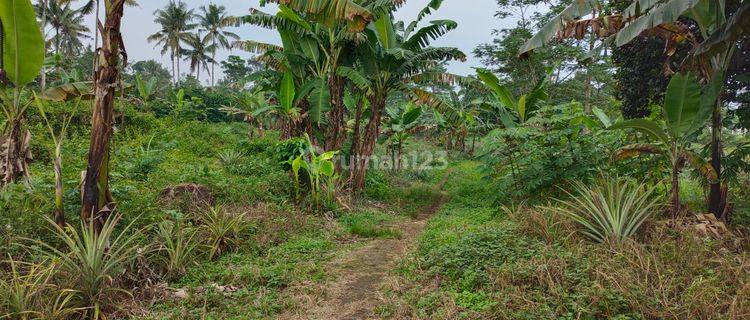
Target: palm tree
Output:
[
  {"x": 211, "y": 20},
  {"x": 67, "y": 24},
  {"x": 197, "y": 54},
  {"x": 175, "y": 20}
]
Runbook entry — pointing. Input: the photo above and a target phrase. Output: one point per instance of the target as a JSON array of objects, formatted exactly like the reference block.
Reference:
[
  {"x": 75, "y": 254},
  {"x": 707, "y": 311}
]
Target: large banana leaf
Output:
[
  {"x": 501, "y": 92},
  {"x": 576, "y": 10},
  {"x": 436, "y": 29},
  {"x": 320, "y": 100},
  {"x": 635, "y": 150},
  {"x": 682, "y": 104},
  {"x": 287, "y": 91},
  {"x": 737, "y": 26},
  {"x": 23, "y": 45},
  {"x": 645, "y": 126},
  {"x": 667, "y": 12},
  {"x": 384, "y": 31},
  {"x": 69, "y": 92}
]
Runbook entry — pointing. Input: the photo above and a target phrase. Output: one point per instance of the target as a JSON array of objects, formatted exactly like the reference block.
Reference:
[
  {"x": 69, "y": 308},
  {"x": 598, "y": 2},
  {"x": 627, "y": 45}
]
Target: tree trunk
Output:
[
  {"x": 12, "y": 166},
  {"x": 372, "y": 131},
  {"x": 59, "y": 213},
  {"x": 43, "y": 73},
  {"x": 715, "y": 203},
  {"x": 213, "y": 63},
  {"x": 676, "y": 206},
  {"x": 354, "y": 148},
  {"x": 336, "y": 127},
  {"x": 97, "y": 199}
]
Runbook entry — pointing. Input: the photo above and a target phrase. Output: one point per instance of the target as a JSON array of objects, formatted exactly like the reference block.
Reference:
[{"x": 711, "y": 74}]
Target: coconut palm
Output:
[
  {"x": 212, "y": 21},
  {"x": 197, "y": 53},
  {"x": 67, "y": 24},
  {"x": 175, "y": 21}
]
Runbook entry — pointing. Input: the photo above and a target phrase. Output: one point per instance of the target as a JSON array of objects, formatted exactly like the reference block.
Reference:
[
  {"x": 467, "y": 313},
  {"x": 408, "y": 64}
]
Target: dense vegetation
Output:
[{"x": 345, "y": 173}]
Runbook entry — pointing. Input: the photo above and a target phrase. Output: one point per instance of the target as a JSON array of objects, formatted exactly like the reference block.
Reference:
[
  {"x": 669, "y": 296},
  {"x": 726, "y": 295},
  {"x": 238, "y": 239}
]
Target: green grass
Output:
[{"x": 369, "y": 224}]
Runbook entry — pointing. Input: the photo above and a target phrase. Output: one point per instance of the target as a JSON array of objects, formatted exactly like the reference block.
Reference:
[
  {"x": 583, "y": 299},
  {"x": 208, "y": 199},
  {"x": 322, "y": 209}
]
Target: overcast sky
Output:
[{"x": 475, "y": 18}]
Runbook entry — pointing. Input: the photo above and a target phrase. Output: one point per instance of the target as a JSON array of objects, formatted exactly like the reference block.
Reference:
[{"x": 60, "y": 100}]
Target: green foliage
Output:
[
  {"x": 222, "y": 230},
  {"x": 322, "y": 178},
  {"x": 23, "y": 44},
  {"x": 28, "y": 293},
  {"x": 368, "y": 225},
  {"x": 611, "y": 210},
  {"x": 177, "y": 247},
  {"x": 91, "y": 261}
]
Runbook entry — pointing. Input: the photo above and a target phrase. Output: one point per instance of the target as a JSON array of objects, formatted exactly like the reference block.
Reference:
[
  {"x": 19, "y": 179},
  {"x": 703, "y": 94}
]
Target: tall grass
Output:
[{"x": 610, "y": 210}]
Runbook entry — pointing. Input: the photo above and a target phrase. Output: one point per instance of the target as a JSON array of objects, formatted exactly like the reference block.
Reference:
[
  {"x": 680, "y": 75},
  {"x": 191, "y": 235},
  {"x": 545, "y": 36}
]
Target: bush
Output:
[
  {"x": 611, "y": 210},
  {"x": 177, "y": 248},
  {"x": 368, "y": 225},
  {"x": 222, "y": 231}
]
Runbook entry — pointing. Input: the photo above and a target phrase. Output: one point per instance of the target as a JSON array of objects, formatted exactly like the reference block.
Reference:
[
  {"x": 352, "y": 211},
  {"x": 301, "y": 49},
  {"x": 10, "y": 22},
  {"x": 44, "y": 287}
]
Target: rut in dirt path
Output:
[{"x": 361, "y": 274}]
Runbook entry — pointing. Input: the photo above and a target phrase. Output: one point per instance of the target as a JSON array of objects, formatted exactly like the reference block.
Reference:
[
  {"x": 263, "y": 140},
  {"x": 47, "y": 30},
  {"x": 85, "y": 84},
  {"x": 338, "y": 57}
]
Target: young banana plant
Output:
[
  {"x": 58, "y": 138},
  {"x": 398, "y": 129},
  {"x": 686, "y": 110},
  {"x": 514, "y": 112}
]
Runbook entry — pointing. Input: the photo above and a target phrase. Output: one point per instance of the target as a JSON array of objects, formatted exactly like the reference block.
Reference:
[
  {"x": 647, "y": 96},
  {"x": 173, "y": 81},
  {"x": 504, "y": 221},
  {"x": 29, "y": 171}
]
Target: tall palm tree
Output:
[
  {"x": 212, "y": 21},
  {"x": 197, "y": 54},
  {"x": 175, "y": 20},
  {"x": 67, "y": 24}
]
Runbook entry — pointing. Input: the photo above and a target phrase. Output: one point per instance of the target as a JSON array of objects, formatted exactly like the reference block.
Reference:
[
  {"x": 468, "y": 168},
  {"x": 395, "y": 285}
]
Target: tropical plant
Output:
[
  {"x": 58, "y": 139},
  {"x": 22, "y": 59},
  {"x": 230, "y": 157},
  {"x": 711, "y": 57},
  {"x": 221, "y": 229},
  {"x": 146, "y": 90},
  {"x": 177, "y": 247},
  {"x": 176, "y": 22},
  {"x": 250, "y": 106},
  {"x": 513, "y": 112},
  {"x": 28, "y": 293},
  {"x": 685, "y": 112},
  {"x": 197, "y": 53},
  {"x": 320, "y": 171},
  {"x": 398, "y": 127},
  {"x": 67, "y": 23},
  {"x": 97, "y": 202},
  {"x": 187, "y": 108},
  {"x": 91, "y": 260},
  {"x": 212, "y": 20},
  {"x": 609, "y": 211}
]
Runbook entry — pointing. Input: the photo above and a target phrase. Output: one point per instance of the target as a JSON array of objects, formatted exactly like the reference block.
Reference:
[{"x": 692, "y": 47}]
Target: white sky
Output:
[{"x": 475, "y": 18}]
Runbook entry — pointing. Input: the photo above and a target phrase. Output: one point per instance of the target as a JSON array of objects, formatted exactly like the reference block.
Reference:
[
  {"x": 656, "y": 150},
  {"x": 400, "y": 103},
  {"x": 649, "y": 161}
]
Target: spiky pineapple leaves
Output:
[{"x": 23, "y": 45}]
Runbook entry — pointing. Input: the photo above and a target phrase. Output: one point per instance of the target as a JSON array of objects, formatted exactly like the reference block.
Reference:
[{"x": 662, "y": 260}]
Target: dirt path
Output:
[{"x": 361, "y": 274}]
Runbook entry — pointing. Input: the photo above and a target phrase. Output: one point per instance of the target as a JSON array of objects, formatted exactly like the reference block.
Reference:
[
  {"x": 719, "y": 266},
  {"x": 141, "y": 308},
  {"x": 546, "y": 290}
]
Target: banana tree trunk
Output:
[
  {"x": 675, "y": 201},
  {"x": 715, "y": 202},
  {"x": 12, "y": 166},
  {"x": 97, "y": 199},
  {"x": 59, "y": 213},
  {"x": 354, "y": 148},
  {"x": 336, "y": 128},
  {"x": 372, "y": 131}
]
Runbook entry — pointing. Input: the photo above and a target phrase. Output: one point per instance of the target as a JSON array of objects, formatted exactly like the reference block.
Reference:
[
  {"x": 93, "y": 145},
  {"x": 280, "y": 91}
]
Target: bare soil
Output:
[{"x": 361, "y": 274}]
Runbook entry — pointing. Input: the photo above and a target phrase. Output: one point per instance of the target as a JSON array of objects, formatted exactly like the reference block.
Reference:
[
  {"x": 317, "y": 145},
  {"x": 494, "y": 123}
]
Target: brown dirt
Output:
[{"x": 361, "y": 274}]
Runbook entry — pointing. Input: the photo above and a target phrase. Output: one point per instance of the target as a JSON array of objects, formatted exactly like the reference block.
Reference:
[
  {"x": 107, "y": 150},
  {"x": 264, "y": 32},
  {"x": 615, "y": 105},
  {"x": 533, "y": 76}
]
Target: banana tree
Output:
[
  {"x": 247, "y": 104},
  {"x": 514, "y": 112},
  {"x": 146, "y": 91},
  {"x": 21, "y": 61},
  {"x": 709, "y": 57},
  {"x": 392, "y": 58},
  {"x": 97, "y": 198},
  {"x": 398, "y": 128},
  {"x": 316, "y": 38},
  {"x": 321, "y": 173},
  {"x": 58, "y": 138},
  {"x": 686, "y": 109}
]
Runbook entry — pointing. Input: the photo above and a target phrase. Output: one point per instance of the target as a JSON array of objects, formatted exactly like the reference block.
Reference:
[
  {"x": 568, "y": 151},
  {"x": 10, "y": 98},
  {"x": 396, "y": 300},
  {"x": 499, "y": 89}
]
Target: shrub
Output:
[
  {"x": 92, "y": 261},
  {"x": 29, "y": 294},
  {"x": 611, "y": 210},
  {"x": 368, "y": 225},
  {"x": 177, "y": 248},
  {"x": 221, "y": 230}
]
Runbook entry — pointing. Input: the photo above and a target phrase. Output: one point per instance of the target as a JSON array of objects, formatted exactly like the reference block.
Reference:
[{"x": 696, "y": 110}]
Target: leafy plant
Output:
[
  {"x": 611, "y": 210},
  {"x": 230, "y": 157},
  {"x": 177, "y": 247},
  {"x": 402, "y": 120},
  {"x": 28, "y": 293},
  {"x": 146, "y": 90},
  {"x": 188, "y": 108},
  {"x": 685, "y": 113},
  {"x": 91, "y": 261},
  {"x": 321, "y": 173},
  {"x": 221, "y": 230}
]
